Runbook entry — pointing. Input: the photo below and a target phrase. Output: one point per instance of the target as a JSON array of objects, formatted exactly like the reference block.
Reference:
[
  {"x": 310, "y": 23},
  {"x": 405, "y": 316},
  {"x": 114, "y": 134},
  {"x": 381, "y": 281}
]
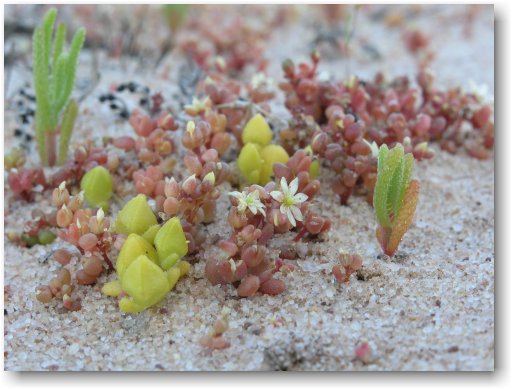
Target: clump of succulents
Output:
[
  {"x": 258, "y": 155},
  {"x": 85, "y": 229},
  {"x": 149, "y": 264},
  {"x": 259, "y": 212},
  {"x": 395, "y": 197}
]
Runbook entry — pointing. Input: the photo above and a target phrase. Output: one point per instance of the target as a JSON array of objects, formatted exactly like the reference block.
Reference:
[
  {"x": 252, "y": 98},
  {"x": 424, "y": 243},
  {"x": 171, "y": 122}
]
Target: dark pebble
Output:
[{"x": 453, "y": 349}]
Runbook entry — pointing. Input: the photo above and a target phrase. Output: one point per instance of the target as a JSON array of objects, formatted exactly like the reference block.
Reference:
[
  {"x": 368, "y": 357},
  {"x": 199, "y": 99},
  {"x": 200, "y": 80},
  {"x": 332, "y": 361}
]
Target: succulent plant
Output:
[
  {"x": 97, "y": 187},
  {"x": 147, "y": 272},
  {"x": 135, "y": 217},
  {"x": 258, "y": 156}
]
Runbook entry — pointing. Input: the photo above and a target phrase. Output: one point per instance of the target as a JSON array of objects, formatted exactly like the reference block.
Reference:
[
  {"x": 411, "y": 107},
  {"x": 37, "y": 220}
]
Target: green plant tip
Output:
[
  {"x": 256, "y": 163},
  {"x": 271, "y": 154},
  {"x": 135, "y": 217},
  {"x": 171, "y": 243},
  {"x": 145, "y": 282},
  {"x": 97, "y": 187},
  {"x": 250, "y": 162},
  {"x": 133, "y": 247},
  {"x": 257, "y": 131},
  {"x": 46, "y": 237}
]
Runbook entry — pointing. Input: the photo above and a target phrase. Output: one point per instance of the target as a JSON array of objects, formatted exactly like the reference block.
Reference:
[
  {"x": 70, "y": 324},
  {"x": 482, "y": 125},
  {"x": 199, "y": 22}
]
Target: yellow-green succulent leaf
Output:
[
  {"x": 184, "y": 267},
  {"x": 257, "y": 131},
  {"x": 169, "y": 261},
  {"x": 126, "y": 304},
  {"x": 250, "y": 162},
  {"x": 171, "y": 243},
  {"x": 97, "y": 186},
  {"x": 112, "y": 288},
  {"x": 150, "y": 233},
  {"x": 145, "y": 282},
  {"x": 135, "y": 217},
  {"x": 314, "y": 168},
  {"x": 173, "y": 275},
  {"x": 133, "y": 247},
  {"x": 271, "y": 154}
]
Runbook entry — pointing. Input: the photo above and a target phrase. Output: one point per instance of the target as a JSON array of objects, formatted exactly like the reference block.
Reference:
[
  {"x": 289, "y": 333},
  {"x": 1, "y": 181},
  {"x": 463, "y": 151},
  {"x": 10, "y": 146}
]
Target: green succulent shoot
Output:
[
  {"x": 395, "y": 196},
  {"x": 258, "y": 156},
  {"x": 136, "y": 217},
  {"x": 147, "y": 272},
  {"x": 54, "y": 78},
  {"x": 97, "y": 187}
]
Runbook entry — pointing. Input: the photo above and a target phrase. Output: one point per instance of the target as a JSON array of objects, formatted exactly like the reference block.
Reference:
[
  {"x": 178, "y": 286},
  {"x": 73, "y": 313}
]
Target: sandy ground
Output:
[{"x": 431, "y": 307}]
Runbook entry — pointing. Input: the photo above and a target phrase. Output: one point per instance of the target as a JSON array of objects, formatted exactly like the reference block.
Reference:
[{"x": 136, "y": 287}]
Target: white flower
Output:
[
  {"x": 481, "y": 92},
  {"x": 198, "y": 105},
  {"x": 251, "y": 201},
  {"x": 289, "y": 199},
  {"x": 260, "y": 80},
  {"x": 373, "y": 147}
]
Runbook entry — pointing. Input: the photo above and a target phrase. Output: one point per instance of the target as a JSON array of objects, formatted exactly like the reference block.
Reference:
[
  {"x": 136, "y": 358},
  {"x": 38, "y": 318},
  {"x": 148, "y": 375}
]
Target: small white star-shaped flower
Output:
[
  {"x": 289, "y": 199},
  {"x": 251, "y": 201}
]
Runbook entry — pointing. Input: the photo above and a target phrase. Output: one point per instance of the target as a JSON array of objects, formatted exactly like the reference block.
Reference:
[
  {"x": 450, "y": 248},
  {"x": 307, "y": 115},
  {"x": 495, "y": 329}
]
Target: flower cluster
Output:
[{"x": 257, "y": 213}]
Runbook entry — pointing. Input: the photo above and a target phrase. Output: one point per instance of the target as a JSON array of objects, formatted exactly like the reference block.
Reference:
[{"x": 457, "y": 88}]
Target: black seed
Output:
[
  {"x": 18, "y": 132},
  {"x": 113, "y": 106},
  {"x": 28, "y": 137},
  {"x": 143, "y": 101}
]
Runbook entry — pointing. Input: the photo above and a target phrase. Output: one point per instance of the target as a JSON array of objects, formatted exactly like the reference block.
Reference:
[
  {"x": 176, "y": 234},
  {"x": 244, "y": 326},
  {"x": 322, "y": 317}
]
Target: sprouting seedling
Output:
[
  {"x": 54, "y": 78},
  {"x": 395, "y": 196}
]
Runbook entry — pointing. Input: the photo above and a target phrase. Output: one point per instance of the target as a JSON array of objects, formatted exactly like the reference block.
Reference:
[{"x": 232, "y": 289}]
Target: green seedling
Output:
[
  {"x": 395, "y": 196},
  {"x": 97, "y": 187},
  {"x": 258, "y": 156},
  {"x": 54, "y": 78}
]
